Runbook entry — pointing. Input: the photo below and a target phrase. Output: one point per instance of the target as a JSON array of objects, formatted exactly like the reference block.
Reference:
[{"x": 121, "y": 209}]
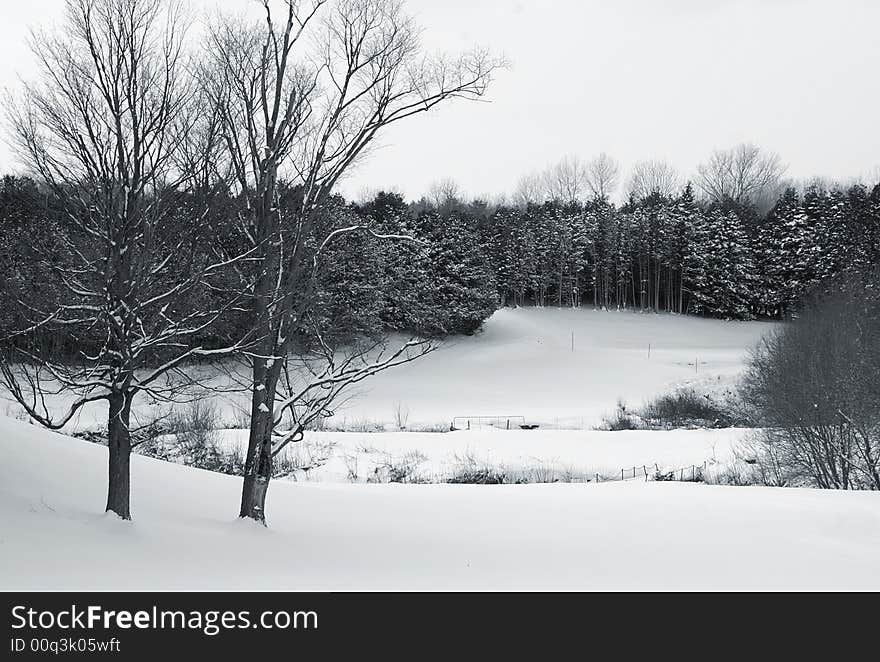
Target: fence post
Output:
[
  {"x": 508, "y": 423},
  {"x": 621, "y": 474}
]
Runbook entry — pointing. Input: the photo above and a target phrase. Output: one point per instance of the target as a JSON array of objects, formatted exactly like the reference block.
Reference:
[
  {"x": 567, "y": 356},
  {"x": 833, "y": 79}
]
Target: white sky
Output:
[{"x": 670, "y": 79}]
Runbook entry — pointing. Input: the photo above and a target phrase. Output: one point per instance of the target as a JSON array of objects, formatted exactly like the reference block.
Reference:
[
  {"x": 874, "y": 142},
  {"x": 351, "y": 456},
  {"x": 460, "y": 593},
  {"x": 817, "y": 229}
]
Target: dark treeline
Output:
[
  {"x": 659, "y": 253},
  {"x": 437, "y": 283},
  {"x": 676, "y": 254}
]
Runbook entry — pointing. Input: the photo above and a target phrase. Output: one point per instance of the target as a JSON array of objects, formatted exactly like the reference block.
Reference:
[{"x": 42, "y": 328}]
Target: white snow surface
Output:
[
  {"x": 522, "y": 364},
  {"x": 581, "y": 454},
  {"x": 326, "y": 536}
]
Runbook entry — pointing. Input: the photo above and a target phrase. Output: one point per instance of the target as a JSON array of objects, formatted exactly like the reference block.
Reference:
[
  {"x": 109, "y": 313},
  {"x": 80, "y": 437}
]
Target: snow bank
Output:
[{"x": 53, "y": 534}]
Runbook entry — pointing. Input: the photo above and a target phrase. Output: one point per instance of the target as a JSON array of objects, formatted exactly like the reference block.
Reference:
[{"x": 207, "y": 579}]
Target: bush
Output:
[
  {"x": 686, "y": 408},
  {"x": 469, "y": 470},
  {"x": 814, "y": 385},
  {"x": 622, "y": 420},
  {"x": 194, "y": 428},
  {"x": 404, "y": 469}
]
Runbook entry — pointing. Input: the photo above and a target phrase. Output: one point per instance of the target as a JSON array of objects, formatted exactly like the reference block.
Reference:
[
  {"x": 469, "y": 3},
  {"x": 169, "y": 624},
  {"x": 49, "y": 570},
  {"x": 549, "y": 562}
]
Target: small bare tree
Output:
[
  {"x": 602, "y": 176},
  {"x": 742, "y": 173},
  {"x": 303, "y": 95},
  {"x": 104, "y": 128},
  {"x": 653, "y": 178}
]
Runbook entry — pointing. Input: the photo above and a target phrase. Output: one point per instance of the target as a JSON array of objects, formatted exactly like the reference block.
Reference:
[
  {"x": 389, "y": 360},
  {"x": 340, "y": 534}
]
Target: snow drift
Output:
[{"x": 53, "y": 534}]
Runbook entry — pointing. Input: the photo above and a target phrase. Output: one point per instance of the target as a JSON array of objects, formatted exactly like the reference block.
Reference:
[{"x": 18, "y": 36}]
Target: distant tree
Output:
[
  {"x": 719, "y": 266},
  {"x": 742, "y": 173},
  {"x": 566, "y": 182},
  {"x": 26, "y": 223},
  {"x": 602, "y": 176},
  {"x": 653, "y": 178},
  {"x": 530, "y": 190},
  {"x": 785, "y": 244},
  {"x": 458, "y": 291},
  {"x": 445, "y": 194}
]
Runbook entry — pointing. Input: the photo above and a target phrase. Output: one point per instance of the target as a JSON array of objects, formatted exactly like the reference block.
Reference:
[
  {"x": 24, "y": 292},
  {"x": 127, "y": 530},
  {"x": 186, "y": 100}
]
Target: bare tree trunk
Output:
[
  {"x": 258, "y": 464},
  {"x": 119, "y": 444}
]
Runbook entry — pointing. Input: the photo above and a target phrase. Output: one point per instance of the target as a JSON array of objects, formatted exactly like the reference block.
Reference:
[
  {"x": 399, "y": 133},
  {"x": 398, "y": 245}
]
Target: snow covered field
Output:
[
  {"x": 522, "y": 364},
  {"x": 323, "y": 536},
  {"x": 329, "y": 529}
]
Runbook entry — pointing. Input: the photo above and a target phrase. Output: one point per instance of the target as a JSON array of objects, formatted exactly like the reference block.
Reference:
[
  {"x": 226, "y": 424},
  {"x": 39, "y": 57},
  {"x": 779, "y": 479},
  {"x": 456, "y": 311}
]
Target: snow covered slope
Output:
[
  {"x": 53, "y": 534},
  {"x": 523, "y": 364}
]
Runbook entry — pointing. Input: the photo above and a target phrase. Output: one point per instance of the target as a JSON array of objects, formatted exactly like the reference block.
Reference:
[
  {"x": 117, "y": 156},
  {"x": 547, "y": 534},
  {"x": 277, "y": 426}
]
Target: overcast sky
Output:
[{"x": 639, "y": 79}]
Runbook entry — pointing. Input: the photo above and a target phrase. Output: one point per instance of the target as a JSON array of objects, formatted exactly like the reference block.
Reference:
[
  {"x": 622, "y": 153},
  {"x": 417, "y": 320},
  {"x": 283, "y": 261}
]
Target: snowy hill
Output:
[
  {"x": 523, "y": 364},
  {"x": 54, "y": 535}
]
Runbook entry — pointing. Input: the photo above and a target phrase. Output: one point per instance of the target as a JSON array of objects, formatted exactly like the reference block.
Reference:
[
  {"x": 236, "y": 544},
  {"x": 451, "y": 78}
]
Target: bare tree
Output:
[
  {"x": 602, "y": 176},
  {"x": 529, "y": 190},
  {"x": 740, "y": 174},
  {"x": 567, "y": 180},
  {"x": 304, "y": 95},
  {"x": 445, "y": 193},
  {"x": 105, "y": 127},
  {"x": 653, "y": 177}
]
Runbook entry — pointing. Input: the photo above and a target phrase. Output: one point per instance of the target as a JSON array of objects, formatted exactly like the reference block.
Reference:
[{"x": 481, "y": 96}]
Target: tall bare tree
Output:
[
  {"x": 740, "y": 173},
  {"x": 567, "y": 180},
  {"x": 602, "y": 176},
  {"x": 529, "y": 190},
  {"x": 104, "y": 127},
  {"x": 653, "y": 177},
  {"x": 303, "y": 95}
]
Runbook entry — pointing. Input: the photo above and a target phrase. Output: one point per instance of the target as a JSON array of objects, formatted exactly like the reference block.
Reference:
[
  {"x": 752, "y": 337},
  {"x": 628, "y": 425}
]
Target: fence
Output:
[
  {"x": 500, "y": 422},
  {"x": 693, "y": 473}
]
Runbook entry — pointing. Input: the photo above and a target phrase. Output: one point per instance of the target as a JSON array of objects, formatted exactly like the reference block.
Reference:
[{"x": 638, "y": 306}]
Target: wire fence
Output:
[
  {"x": 693, "y": 473},
  {"x": 476, "y": 422}
]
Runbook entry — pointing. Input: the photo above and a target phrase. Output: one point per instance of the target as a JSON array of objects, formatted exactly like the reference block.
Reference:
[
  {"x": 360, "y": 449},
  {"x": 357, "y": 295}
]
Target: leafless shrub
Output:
[
  {"x": 400, "y": 469},
  {"x": 621, "y": 420},
  {"x": 361, "y": 424},
  {"x": 302, "y": 458},
  {"x": 401, "y": 415},
  {"x": 815, "y": 386},
  {"x": 686, "y": 408},
  {"x": 471, "y": 470},
  {"x": 543, "y": 473},
  {"x": 11, "y": 410},
  {"x": 351, "y": 466}
]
